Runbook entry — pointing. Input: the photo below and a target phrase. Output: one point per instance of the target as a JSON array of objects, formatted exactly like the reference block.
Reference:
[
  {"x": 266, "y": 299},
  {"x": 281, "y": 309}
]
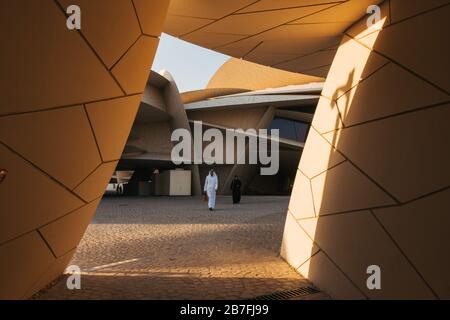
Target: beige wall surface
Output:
[
  {"x": 69, "y": 99},
  {"x": 180, "y": 183},
  {"x": 294, "y": 35},
  {"x": 199, "y": 95},
  {"x": 372, "y": 186},
  {"x": 179, "y": 120},
  {"x": 248, "y": 117},
  {"x": 238, "y": 73},
  {"x": 151, "y": 138}
]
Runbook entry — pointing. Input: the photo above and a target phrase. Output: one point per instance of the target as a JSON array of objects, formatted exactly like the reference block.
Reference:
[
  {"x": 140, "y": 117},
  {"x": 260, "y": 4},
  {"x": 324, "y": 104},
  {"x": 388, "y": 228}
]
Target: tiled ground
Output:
[{"x": 173, "y": 248}]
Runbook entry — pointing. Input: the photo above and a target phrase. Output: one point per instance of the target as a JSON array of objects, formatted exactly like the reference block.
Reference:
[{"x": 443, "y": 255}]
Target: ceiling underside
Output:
[{"x": 293, "y": 35}]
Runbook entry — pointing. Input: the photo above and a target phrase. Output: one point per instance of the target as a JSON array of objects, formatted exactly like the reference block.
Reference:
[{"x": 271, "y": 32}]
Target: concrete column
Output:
[
  {"x": 372, "y": 186},
  {"x": 175, "y": 108}
]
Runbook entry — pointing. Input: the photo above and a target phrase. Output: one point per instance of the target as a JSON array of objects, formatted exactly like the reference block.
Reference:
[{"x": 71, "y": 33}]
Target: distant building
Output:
[{"x": 163, "y": 109}]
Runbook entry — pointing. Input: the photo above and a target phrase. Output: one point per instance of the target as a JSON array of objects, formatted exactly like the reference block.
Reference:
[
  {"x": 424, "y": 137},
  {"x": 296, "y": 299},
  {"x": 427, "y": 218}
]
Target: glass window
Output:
[
  {"x": 301, "y": 129},
  {"x": 290, "y": 129}
]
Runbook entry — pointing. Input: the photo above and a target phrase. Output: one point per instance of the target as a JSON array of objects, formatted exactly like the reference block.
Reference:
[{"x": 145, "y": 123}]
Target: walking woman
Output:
[{"x": 236, "y": 189}]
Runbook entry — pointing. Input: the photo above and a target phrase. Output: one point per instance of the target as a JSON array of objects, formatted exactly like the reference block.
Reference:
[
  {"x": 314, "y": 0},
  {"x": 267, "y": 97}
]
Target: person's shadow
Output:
[{"x": 339, "y": 93}]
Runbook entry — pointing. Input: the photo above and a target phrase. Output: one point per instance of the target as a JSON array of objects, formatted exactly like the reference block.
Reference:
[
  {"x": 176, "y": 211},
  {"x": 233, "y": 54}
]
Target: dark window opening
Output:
[{"x": 290, "y": 129}]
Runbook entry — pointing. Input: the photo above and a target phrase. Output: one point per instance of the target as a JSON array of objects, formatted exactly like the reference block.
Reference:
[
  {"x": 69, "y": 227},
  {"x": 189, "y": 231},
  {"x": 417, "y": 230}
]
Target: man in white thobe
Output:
[{"x": 211, "y": 185}]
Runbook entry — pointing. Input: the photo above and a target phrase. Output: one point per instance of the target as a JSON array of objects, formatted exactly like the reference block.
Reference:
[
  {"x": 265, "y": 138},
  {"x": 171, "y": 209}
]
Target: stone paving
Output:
[{"x": 174, "y": 248}]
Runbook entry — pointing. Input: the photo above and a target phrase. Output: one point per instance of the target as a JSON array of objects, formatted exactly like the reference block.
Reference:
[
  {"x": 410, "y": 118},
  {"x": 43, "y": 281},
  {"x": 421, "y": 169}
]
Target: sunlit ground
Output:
[{"x": 174, "y": 248}]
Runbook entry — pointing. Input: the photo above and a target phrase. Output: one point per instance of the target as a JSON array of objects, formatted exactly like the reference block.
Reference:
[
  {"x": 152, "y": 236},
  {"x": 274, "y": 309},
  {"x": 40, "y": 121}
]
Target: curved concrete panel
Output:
[
  {"x": 244, "y": 74},
  {"x": 69, "y": 101},
  {"x": 179, "y": 119},
  {"x": 379, "y": 194},
  {"x": 199, "y": 95},
  {"x": 382, "y": 189},
  {"x": 295, "y": 35}
]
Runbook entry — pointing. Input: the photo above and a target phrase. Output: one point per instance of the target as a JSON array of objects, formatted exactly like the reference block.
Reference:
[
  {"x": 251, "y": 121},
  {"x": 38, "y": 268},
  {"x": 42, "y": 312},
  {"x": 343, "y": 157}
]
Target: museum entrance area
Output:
[{"x": 174, "y": 248}]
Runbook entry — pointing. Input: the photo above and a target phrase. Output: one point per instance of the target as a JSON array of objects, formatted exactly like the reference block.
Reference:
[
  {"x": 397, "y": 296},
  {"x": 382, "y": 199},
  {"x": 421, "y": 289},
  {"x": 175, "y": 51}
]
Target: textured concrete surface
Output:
[{"x": 173, "y": 248}]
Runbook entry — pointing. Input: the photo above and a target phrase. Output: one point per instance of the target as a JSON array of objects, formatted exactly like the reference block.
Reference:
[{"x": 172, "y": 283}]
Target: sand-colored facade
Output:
[
  {"x": 69, "y": 99},
  {"x": 372, "y": 186}
]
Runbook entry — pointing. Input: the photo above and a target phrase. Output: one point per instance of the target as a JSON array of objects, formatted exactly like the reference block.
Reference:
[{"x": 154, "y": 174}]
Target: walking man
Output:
[
  {"x": 236, "y": 189},
  {"x": 211, "y": 185}
]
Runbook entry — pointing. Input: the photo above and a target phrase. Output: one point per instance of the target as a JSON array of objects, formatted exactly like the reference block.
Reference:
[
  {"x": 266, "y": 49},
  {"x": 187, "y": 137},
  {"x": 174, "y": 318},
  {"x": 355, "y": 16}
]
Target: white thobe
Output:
[{"x": 211, "y": 185}]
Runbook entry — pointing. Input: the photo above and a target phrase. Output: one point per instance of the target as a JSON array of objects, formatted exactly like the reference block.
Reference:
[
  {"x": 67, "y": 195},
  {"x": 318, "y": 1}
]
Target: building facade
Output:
[{"x": 372, "y": 187}]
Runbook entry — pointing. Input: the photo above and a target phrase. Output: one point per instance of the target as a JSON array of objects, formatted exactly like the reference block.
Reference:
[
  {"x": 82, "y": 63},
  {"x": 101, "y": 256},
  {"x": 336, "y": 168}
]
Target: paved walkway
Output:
[{"x": 173, "y": 248}]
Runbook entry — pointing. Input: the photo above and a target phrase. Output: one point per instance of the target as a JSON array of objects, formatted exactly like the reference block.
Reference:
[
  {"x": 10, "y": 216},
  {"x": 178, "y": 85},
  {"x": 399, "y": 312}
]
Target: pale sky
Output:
[{"x": 191, "y": 66}]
